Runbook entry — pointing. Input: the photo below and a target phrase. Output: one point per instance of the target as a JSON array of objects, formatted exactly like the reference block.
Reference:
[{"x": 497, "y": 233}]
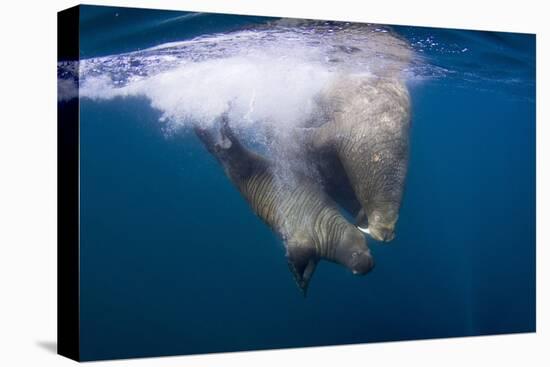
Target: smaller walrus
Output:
[{"x": 307, "y": 220}]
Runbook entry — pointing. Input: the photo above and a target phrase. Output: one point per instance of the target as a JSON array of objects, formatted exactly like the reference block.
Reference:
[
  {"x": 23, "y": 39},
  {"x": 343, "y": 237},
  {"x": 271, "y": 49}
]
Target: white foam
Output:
[
  {"x": 258, "y": 88},
  {"x": 270, "y": 76}
]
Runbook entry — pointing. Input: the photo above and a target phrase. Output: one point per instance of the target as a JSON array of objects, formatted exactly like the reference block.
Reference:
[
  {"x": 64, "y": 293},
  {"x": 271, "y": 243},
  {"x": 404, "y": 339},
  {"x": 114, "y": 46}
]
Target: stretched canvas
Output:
[{"x": 232, "y": 183}]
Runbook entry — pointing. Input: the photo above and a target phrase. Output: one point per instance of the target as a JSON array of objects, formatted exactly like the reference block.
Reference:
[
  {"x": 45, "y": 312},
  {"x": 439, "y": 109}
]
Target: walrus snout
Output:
[
  {"x": 361, "y": 263},
  {"x": 353, "y": 253},
  {"x": 382, "y": 233},
  {"x": 382, "y": 226}
]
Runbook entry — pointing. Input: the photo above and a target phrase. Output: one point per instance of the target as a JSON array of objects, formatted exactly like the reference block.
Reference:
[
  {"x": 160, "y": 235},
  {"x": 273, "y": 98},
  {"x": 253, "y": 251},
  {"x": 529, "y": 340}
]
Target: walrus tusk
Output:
[{"x": 366, "y": 230}]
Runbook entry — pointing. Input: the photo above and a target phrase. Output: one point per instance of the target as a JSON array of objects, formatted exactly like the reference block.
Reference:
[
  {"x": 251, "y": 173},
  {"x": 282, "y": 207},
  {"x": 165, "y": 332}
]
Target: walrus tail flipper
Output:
[
  {"x": 222, "y": 143},
  {"x": 219, "y": 137},
  {"x": 226, "y": 131},
  {"x": 302, "y": 261}
]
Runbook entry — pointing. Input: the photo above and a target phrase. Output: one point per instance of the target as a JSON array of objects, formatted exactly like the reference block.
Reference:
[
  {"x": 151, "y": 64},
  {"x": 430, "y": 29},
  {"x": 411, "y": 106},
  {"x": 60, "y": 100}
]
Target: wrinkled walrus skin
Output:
[
  {"x": 307, "y": 220},
  {"x": 366, "y": 127}
]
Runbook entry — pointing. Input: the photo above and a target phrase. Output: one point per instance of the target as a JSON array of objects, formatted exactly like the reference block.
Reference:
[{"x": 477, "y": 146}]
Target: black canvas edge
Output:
[{"x": 68, "y": 211}]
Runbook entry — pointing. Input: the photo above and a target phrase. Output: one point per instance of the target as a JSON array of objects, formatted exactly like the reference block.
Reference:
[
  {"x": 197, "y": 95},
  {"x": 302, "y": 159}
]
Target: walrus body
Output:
[
  {"x": 307, "y": 220},
  {"x": 366, "y": 135}
]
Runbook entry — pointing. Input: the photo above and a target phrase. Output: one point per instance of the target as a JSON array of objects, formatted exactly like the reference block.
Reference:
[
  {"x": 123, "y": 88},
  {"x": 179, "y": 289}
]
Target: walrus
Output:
[
  {"x": 300, "y": 212},
  {"x": 362, "y": 142}
]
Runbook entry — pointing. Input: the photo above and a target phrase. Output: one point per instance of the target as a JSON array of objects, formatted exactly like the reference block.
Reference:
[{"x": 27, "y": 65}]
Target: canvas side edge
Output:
[{"x": 68, "y": 211}]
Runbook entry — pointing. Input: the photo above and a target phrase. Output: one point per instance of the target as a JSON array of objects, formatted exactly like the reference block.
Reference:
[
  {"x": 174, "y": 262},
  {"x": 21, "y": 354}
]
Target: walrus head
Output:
[
  {"x": 352, "y": 252},
  {"x": 349, "y": 250}
]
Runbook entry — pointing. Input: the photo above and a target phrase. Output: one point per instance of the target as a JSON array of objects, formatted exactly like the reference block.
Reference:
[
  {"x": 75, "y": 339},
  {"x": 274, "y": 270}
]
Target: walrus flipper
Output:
[
  {"x": 302, "y": 261},
  {"x": 222, "y": 143}
]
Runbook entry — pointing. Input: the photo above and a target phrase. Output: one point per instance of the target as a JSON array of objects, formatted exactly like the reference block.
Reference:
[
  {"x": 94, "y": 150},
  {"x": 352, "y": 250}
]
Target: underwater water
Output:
[{"x": 172, "y": 259}]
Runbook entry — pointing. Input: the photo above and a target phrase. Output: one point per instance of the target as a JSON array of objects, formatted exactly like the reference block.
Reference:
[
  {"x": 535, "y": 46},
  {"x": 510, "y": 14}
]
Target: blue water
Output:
[{"x": 173, "y": 261}]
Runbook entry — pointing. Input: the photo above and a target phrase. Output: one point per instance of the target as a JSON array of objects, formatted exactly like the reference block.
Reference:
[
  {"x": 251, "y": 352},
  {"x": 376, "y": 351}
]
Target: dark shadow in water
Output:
[{"x": 50, "y": 346}]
